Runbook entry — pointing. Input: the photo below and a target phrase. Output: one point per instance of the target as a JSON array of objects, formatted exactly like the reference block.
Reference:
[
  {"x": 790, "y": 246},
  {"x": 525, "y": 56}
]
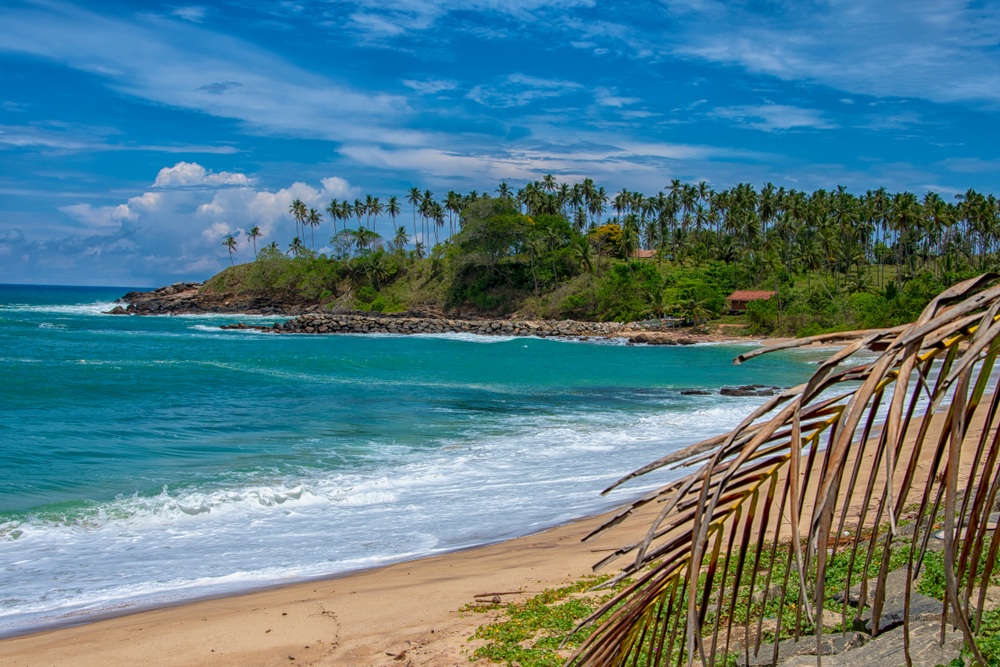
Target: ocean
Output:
[{"x": 147, "y": 461}]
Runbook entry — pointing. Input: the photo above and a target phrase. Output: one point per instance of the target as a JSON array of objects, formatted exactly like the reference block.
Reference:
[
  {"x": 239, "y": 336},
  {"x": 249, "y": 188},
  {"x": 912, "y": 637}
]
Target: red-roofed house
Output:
[{"x": 738, "y": 300}]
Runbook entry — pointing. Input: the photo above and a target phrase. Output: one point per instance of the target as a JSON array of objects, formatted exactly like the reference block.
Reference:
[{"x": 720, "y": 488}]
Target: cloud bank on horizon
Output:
[{"x": 134, "y": 138}]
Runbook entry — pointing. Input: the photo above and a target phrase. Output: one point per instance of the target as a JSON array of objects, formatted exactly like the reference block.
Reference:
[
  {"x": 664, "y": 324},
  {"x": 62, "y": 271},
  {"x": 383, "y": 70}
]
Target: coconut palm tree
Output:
[
  {"x": 504, "y": 191},
  {"x": 252, "y": 236},
  {"x": 273, "y": 245},
  {"x": 583, "y": 252},
  {"x": 401, "y": 238},
  {"x": 313, "y": 219},
  {"x": 296, "y": 247},
  {"x": 298, "y": 211},
  {"x": 453, "y": 204},
  {"x": 415, "y": 198},
  {"x": 392, "y": 209},
  {"x": 230, "y": 242},
  {"x": 333, "y": 210}
]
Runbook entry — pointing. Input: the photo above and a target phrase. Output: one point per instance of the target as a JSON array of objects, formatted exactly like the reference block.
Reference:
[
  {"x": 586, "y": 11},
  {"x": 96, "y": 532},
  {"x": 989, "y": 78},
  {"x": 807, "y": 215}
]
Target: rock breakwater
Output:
[{"x": 315, "y": 323}]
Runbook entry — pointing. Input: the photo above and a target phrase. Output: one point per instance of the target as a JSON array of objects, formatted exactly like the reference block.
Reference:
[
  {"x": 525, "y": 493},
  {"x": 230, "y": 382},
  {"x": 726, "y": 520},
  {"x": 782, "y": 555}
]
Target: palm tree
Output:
[
  {"x": 503, "y": 190},
  {"x": 313, "y": 219},
  {"x": 393, "y": 210},
  {"x": 333, "y": 210},
  {"x": 690, "y": 307},
  {"x": 296, "y": 246},
  {"x": 273, "y": 245},
  {"x": 583, "y": 252},
  {"x": 298, "y": 211},
  {"x": 453, "y": 204},
  {"x": 401, "y": 238},
  {"x": 415, "y": 198},
  {"x": 231, "y": 243},
  {"x": 252, "y": 236},
  {"x": 548, "y": 183},
  {"x": 427, "y": 208}
]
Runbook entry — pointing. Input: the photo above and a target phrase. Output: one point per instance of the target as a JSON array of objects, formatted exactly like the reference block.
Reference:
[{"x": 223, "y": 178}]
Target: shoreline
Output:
[
  {"x": 374, "y": 610},
  {"x": 82, "y": 618}
]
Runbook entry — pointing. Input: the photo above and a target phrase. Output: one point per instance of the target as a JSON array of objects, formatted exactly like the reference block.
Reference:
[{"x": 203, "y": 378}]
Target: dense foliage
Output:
[{"x": 835, "y": 259}]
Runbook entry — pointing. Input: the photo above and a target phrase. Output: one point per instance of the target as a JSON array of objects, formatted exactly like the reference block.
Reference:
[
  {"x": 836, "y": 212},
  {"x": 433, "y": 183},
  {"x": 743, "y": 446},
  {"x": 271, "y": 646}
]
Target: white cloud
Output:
[
  {"x": 609, "y": 98},
  {"x": 99, "y": 216},
  {"x": 430, "y": 86},
  {"x": 941, "y": 50},
  {"x": 519, "y": 90},
  {"x": 773, "y": 117},
  {"x": 191, "y": 173},
  {"x": 72, "y": 139},
  {"x": 193, "y": 14},
  {"x": 180, "y": 64}
]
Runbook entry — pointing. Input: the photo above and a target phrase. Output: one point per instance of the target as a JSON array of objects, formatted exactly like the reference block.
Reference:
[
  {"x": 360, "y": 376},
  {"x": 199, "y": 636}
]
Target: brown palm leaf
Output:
[{"x": 829, "y": 475}]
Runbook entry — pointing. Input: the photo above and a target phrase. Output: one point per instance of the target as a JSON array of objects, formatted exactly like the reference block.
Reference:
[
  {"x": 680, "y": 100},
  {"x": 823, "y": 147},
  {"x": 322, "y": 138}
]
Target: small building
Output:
[
  {"x": 644, "y": 254},
  {"x": 738, "y": 300}
]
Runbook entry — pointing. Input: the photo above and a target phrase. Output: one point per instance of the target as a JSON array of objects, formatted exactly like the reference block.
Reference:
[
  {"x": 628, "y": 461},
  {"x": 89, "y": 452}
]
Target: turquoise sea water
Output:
[{"x": 150, "y": 460}]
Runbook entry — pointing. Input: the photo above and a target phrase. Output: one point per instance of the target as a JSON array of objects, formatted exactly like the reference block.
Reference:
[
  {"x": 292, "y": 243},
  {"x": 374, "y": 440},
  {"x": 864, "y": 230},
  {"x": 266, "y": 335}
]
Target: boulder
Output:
[
  {"x": 887, "y": 649},
  {"x": 730, "y": 391},
  {"x": 806, "y": 646},
  {"x": 695, "y": 392},
  {"x": 117, "y": 310}
]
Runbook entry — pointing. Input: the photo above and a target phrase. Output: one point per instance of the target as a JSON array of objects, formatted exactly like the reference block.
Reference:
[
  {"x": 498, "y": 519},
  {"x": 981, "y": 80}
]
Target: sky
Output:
[{"x": 134, "y": 136}]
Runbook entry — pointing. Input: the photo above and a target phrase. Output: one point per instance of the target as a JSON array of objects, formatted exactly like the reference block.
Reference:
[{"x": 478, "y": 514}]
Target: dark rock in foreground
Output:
[
  {"x": 887, "y": 649},
  {"x": 806, "y": 646}
]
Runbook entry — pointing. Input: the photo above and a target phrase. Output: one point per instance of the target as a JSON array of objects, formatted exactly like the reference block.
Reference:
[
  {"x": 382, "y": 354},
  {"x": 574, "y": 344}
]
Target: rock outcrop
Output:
[{"x": 189, "y": 299}]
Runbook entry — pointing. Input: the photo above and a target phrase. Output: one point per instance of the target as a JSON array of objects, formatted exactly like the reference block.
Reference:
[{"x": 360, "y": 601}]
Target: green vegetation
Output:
[
  {"x": 836, "y": 261},
  {"x": 530, "y": 633}
]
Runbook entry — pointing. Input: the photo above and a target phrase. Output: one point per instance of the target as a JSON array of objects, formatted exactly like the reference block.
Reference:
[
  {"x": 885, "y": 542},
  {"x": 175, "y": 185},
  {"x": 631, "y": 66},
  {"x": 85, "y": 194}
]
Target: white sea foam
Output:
[{"x": 96, "y": 308}]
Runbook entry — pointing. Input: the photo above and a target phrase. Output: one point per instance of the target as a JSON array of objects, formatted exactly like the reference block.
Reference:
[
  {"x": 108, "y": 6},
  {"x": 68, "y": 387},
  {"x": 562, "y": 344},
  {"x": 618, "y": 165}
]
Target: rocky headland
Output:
[{"x": 189, "y": 298}]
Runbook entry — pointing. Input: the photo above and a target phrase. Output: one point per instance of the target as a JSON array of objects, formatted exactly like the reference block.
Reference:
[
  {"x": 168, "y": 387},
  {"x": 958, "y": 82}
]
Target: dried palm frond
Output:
[{"x": 827, "y": 477}]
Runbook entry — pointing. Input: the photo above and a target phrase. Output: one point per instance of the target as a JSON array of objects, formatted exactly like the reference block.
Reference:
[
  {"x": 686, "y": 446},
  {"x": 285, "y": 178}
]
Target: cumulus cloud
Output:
[
  {"x": 190, "y": 173},
  {"x": 99, "y": 216}
]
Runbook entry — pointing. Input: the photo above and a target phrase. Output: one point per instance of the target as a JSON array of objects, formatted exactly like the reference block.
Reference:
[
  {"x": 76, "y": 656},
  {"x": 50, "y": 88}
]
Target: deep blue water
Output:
[{"x": 148, "y": 460}]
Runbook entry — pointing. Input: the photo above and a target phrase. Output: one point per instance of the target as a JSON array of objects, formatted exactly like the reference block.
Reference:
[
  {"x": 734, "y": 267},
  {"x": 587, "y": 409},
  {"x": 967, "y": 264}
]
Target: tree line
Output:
[{"x": 841, "y": 234}]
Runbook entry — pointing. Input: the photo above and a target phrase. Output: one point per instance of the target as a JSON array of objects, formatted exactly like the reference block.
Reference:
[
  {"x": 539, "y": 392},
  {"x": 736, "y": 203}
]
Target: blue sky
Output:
[{"x": 134, "y": 136}]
